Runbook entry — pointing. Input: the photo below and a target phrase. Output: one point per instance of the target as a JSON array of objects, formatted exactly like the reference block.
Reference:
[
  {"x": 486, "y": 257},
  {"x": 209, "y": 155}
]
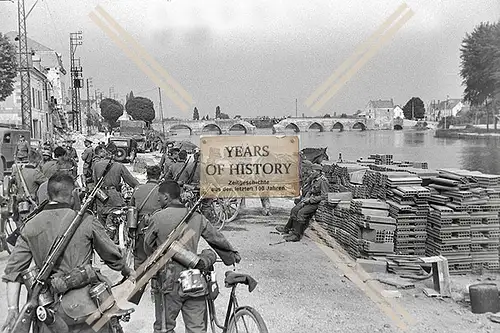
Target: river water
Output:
[{"x": 407, "y": 145}]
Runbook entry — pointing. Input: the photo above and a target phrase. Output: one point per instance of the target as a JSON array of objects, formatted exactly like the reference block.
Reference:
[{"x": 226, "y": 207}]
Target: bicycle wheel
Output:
[
  {"x": 226, "y": 210},
  {"x": 246, "y": 320},
  {"x": 126, "y": 244}
]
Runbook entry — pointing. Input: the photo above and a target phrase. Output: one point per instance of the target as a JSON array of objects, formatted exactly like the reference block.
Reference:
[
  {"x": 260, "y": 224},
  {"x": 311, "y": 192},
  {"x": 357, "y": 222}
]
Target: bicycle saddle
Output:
[{"x": 233, "y": 278}]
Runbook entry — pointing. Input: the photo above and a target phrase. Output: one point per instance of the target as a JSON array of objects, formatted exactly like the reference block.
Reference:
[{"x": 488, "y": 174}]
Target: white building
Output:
[
  {"x": 382, "y": 113},
  {"x": 47, "y": 91},
  {"x": 398, "y": 112},
  {"x": 440, "y": 109}
]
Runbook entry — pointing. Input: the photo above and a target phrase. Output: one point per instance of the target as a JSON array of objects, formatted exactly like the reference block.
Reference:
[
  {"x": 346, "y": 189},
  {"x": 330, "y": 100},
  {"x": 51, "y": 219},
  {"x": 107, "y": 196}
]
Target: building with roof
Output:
[
  {"x": 398, "y": 112},
  {"x": 451, "y": 107},
  {"x": 48, "y": 92},
  {"x": 382, "y": 113}
]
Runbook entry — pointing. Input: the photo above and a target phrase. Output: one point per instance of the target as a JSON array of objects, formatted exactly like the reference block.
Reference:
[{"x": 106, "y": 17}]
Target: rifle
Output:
[
  {"x": 127, "y": 289},
  {"x": 25, "y": 318},
  {"x": 25, "y": 187},
  {"x": 12, "y": 238},
  {"x": 177, "y": 176}
]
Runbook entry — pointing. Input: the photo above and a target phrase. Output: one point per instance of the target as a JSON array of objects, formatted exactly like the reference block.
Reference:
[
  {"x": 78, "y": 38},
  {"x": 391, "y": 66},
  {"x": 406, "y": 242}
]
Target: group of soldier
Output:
[{"x": 52, "y": 182}]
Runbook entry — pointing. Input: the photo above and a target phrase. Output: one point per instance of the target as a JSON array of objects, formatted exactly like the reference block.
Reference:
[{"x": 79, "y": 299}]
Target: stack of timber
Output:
[{"x": 464, "y": 222}]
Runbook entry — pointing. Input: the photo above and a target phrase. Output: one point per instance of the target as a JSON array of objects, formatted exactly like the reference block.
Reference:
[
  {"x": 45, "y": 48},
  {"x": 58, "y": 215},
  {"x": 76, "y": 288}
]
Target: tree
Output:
[
  {"x": 141, "y": 108},
  {"x": 196, "y": 114},
  {"x": 111, "y": 110},
  {"x": 217, "y": 112},
  {"x": 129, "y": 96},
  {"x": 8, "y": 67},
  {"x": 224, "y": 116},
  {"x": 414, "y": 109},
  {"x": 480, "y": 65},
  {"x": 343, "y": 115}
]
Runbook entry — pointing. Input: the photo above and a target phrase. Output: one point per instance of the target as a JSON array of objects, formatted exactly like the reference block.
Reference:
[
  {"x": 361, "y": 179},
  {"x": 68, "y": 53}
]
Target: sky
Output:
[{"x": 257, "y": 57}]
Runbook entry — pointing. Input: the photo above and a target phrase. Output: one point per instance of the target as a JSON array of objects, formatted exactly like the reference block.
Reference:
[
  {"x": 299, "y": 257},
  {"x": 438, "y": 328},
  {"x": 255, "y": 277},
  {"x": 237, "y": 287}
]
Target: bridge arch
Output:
[
  {"x": 211, "y": 127},
  {"x": 316, "y": 126},
  {"x": 181, "y": 127},
  {"x": 398, "y": 127},
  {"x": 359, "y": 125},
  {"x": 238, "y": 127},
  {"x": 338, "y": 126},
  {"x": 292, "y": 126}
]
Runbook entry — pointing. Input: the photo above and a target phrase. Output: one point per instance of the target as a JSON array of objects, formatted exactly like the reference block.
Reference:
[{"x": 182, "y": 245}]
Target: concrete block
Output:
[{"x": 372, "y": 266}]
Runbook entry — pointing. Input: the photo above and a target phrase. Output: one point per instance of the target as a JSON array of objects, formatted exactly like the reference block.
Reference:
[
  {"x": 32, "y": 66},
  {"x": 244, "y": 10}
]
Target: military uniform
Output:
[
  {"x": 167, "y": 164},
  {"x": 111, "y": 184},
  {"x": 36, "y": 240},
  {"x": 87, "y": 157},
  {"x": 301, "y": 214},
  {"x": 191, "y": 174},
  {"x": 175, "y": 169},
  {"x": 33, "y": 177},
  {"x": 22, "y": 150},
  {"x": 71, "y": 152},
  {"x": 49, "y": 168},
  {"x": 193, "y": 309},
  {"x": 152, "y": 204}
]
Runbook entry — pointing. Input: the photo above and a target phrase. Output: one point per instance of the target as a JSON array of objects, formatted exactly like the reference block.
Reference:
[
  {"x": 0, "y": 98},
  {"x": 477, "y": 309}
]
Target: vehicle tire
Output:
[
  {"x": 120, "y": 155},
  {"x": 10, "y": 227},
  {"x": 245, "y": 318},
  {"x": 126, "y": 244}
]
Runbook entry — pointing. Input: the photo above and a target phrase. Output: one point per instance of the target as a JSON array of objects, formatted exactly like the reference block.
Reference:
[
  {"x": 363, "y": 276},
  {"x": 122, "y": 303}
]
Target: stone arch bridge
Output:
[
  {"x": 323, "y": 124},
  {"x": 222, "y": 126}
]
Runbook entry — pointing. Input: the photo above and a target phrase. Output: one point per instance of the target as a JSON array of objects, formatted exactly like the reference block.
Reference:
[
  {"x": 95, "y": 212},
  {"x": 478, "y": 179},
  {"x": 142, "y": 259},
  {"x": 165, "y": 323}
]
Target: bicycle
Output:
[
  {"x": 235, "y": 314},
  {"x": 119, "y": 231},
  {"x": 218, "y": 211}
]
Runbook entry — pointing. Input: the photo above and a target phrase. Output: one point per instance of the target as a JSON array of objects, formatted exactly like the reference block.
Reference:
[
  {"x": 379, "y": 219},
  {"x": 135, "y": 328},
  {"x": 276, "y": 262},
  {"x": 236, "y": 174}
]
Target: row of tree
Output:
[
  {"x": 138, "y": 108},
  {"x": 218, "y": 114}
]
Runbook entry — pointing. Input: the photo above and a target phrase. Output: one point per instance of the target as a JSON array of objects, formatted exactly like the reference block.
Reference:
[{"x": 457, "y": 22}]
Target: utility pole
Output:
[
  {"x": 161, "y": 112},
  {"x": 446, "y": 110},
  {"x": 24, "y": 69},
  {"x": 296, "y": 108},
  {"x": 75, "y": 39},
  {"x": 88, "y": 105}
]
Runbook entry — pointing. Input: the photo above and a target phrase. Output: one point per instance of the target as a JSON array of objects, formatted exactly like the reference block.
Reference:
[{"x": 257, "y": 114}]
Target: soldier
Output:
[
  {"x": 22, "y": 150},
  {"x": 112, "y": 181},
  {"x": 35, "y": 243},
  {"x": 71, "y": 150},
  {"x": 31, "y": 175},
  {"x": 191, "y": 173},
  {"x": 87, "y": 157},
  {"x": 169, "y": 299},
  {"x": 302, "y": 213},
  {"x": 175, "y": 170},
  {"x": 49, "y": 167},
  {"x": 145, "y": 198},
  {"x": 170, "y": 159},
  {"x": 63, "y": 165}
]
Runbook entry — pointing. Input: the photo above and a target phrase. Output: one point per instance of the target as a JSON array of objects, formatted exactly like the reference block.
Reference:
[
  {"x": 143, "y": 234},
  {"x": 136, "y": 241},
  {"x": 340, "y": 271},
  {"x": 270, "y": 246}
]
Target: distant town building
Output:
[
  {"x": 398, "y": 112},
  {"x": 48, "y": 93},
  {"x": 381, "y": 112},
  {"x": 451, "y": 107}
]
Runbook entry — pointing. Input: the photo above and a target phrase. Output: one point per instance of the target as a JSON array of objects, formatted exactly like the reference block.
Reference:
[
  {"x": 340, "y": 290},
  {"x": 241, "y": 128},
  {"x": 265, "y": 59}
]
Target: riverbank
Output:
[{"x": 464, "y": 134}]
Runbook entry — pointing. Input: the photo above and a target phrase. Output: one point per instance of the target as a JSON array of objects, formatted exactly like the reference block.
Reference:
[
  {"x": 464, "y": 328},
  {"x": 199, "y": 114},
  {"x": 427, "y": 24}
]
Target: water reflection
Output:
[{"x": 417, "y": 146}]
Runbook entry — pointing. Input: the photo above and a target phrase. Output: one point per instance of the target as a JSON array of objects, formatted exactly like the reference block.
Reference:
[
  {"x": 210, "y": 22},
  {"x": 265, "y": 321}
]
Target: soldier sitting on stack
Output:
[
  {"x": 169, "y": 296},
  {"x": 73, "y": 301},
  {"x": 301, "y": 214},
  {"x": 112, "y": 183},
  {"x": 178, "y": 167}
]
